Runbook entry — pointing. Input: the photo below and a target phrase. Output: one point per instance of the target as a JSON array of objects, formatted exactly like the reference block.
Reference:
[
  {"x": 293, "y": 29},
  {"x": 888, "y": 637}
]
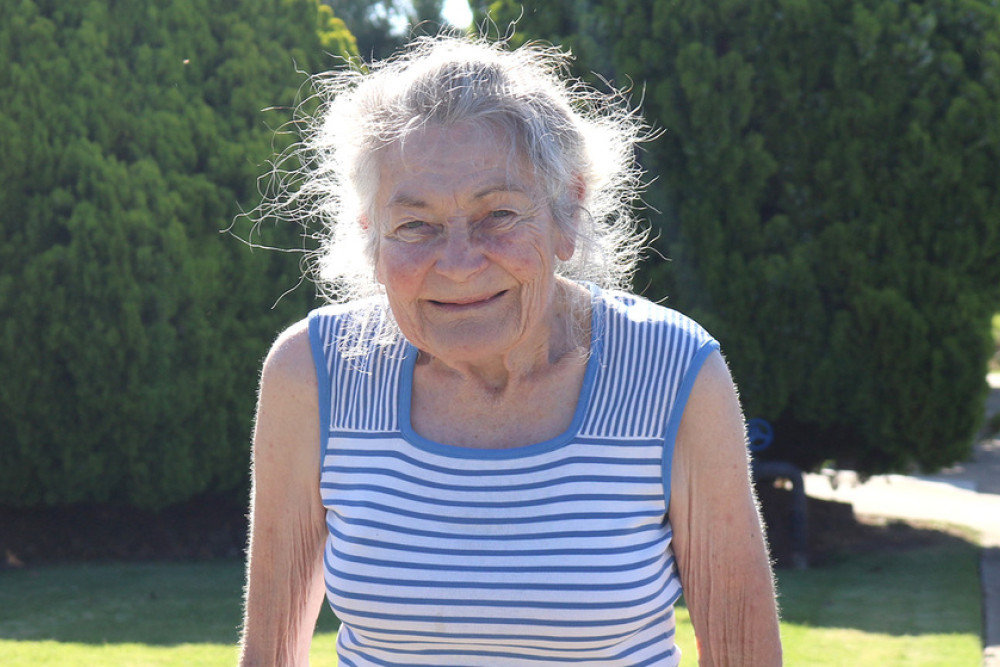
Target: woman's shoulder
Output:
[
  {"x": 364, "y": 316},
  {"x": 347, "y": 309},
  {"x": 353, "y": 332},
  {"x": 637, "y": 312},
  {"x": 290, "y": 358}
]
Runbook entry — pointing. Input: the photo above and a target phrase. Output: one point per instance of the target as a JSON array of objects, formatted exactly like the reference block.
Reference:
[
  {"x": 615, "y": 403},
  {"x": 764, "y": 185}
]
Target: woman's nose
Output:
[{"x": 461, "y": 257}]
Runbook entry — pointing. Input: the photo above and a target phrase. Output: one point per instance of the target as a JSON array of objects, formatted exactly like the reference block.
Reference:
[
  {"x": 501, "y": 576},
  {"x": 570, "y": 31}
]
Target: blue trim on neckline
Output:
[{"x": 597, "y": 318}]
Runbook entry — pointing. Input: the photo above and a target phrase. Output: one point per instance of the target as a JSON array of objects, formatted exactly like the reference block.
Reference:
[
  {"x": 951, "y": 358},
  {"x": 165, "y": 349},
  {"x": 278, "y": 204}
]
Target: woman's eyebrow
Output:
[
  {"x": 407, "y": 200},
  {"x": 414, "y": 201},
  {"x": 499, "y": 187}
]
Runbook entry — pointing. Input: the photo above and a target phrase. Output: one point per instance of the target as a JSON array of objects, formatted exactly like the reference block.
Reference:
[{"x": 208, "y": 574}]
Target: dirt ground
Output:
[{"x": 202, "y": 530}]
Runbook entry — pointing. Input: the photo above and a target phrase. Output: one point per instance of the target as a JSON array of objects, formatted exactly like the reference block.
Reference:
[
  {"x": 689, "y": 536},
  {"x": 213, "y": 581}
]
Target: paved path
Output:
[
  {"x": 965, "y": 495},
  {"x": 954, "y": 502}
]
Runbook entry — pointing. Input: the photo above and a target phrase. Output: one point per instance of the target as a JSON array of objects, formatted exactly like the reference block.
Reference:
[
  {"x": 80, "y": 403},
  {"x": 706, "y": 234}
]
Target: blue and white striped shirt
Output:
[{"x": 556, "y": 552}]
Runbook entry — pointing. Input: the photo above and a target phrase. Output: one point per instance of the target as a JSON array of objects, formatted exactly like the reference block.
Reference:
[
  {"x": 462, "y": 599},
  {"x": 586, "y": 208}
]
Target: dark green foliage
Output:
[
  {"x": 829, "y": 199},
  {"x": 131, "y": 329},
  {"x": 383, "y": 26},
  {"x": 995, "y": 359}
]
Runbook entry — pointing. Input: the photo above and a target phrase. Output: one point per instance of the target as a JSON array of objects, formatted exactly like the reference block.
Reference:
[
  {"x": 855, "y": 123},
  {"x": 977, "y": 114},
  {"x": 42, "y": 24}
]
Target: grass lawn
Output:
[
  {"x": 921, "y": 607},
  {"x": 916, "y": 607}
]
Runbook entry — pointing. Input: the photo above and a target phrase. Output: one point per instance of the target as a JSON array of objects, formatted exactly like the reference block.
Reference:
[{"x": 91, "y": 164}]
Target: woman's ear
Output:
[
  {"x": 566, "y": 243},
  {"x": 565, "y": 246},
  {"x": 366, "y": 227}
]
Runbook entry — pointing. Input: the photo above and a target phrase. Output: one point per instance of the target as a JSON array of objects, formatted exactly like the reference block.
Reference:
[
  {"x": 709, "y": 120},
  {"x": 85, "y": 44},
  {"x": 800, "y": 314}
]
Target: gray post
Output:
[{"x": 798, "y": 525}]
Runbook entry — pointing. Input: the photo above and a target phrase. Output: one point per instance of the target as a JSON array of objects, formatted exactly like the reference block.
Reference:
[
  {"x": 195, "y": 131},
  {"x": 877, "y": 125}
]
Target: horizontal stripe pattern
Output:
[{"x": 550, "y": 554}]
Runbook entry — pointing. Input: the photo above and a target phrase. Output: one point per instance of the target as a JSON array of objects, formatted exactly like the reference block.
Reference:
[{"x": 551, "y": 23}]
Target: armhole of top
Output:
[
  {"x": 677, "y": 413},
  {"x": 323, "y": 386}
]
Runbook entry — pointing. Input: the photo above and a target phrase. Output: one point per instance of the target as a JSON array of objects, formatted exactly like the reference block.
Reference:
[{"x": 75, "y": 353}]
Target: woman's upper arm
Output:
[
  {"x": 284, "y": 573},
  {"x": 718, "y": 538}
]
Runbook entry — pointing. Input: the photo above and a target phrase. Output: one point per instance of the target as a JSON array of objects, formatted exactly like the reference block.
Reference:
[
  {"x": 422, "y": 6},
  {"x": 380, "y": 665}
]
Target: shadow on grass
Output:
[
  {"x": 98, "y": 574},
  {"x": 887, "y": 577},
  {"x": 161, "y": 604}
]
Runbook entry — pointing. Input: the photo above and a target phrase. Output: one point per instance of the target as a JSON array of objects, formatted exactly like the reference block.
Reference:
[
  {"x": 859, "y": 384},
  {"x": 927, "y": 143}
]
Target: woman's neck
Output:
[{"x": 565, "y": 339}]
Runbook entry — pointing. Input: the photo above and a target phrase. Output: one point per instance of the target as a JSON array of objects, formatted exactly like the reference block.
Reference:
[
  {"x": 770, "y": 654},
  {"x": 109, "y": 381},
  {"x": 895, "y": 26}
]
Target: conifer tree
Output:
[{"x": 131, "y": 329}]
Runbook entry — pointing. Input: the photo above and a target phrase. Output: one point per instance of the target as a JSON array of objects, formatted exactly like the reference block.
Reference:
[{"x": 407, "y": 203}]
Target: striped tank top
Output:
[{"x": 556, "y": 552}]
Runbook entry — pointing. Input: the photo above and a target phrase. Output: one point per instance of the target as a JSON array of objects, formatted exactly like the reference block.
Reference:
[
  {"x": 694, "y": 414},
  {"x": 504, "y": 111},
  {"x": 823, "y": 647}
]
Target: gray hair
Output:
[{"x": 574, "y": 137}]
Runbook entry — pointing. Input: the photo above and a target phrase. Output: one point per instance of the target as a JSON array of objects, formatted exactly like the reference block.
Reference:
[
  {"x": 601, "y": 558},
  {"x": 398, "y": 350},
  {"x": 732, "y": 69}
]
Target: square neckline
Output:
[{"x": 405, "y": 398}]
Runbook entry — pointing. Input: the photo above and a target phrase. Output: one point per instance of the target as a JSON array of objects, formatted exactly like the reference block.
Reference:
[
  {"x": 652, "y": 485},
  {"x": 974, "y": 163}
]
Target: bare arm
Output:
[
  {"x": 718, "y": 540},
  {"x": 285, "y": 567}
]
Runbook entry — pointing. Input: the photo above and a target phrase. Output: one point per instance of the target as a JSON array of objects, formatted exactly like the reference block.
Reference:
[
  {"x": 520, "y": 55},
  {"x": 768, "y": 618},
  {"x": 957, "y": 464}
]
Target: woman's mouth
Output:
[{"x": 467, "y": 303}]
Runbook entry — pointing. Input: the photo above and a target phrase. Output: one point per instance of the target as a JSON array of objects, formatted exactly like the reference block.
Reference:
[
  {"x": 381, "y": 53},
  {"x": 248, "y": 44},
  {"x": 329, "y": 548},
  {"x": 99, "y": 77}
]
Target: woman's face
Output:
[{"x": 467, "y": 244}]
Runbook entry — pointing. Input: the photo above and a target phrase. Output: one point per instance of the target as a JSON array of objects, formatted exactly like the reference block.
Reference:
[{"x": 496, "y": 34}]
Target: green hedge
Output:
[
  {"x": 131, "y": 329},
  {"x": 829, "y": 200}
]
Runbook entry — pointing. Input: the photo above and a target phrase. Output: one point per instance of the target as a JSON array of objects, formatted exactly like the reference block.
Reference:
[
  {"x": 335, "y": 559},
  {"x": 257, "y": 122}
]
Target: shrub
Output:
[{"x": 131, "y": 330}]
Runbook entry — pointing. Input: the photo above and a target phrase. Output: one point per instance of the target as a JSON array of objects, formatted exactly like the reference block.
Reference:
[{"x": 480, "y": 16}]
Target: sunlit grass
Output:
[
  {"x": 810, "y": 646},
  {"x": 918, "y": 607},
  {"x": 70, "y": 654},
  {"x": 67, "y": 654},
  {"x": 911, "y": 607}
]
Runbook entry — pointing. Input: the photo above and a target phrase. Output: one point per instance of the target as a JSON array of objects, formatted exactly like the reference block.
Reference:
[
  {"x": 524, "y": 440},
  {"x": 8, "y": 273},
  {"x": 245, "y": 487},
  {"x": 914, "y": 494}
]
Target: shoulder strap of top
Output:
[
  {"x": 358, "y": 382},
  {"x": 650, "y": 358}
]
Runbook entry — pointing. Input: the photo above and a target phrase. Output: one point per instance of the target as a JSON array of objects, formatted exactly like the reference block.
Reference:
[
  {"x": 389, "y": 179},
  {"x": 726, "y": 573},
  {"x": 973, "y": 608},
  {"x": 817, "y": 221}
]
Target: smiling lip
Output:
[{"x": 463, "y": 304}]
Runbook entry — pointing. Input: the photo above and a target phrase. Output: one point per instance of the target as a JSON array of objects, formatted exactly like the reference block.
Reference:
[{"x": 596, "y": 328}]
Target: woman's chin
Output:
[{"x": 467, "y": 342}]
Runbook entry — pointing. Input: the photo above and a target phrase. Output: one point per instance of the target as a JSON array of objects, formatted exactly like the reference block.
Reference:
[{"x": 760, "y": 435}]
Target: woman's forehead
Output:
[
  {"x": 443, "y": 145},
  {"x": 472, "y": 159}
]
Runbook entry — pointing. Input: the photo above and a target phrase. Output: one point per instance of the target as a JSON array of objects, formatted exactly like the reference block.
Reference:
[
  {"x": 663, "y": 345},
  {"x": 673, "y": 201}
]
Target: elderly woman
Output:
[{"x": 484, "y": 454}]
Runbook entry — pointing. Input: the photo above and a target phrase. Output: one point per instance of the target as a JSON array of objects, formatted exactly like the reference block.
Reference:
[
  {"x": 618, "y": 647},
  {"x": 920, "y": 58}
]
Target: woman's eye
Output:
[
  {"x": 413, "y": 230},
  {"x": 499, "y": 220}
]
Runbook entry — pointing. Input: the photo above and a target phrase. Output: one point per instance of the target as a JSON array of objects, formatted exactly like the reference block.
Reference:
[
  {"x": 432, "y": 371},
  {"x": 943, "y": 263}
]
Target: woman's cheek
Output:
[
  {"x": 527, "y": 258},
  {"x": 398, "y": 260}
]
